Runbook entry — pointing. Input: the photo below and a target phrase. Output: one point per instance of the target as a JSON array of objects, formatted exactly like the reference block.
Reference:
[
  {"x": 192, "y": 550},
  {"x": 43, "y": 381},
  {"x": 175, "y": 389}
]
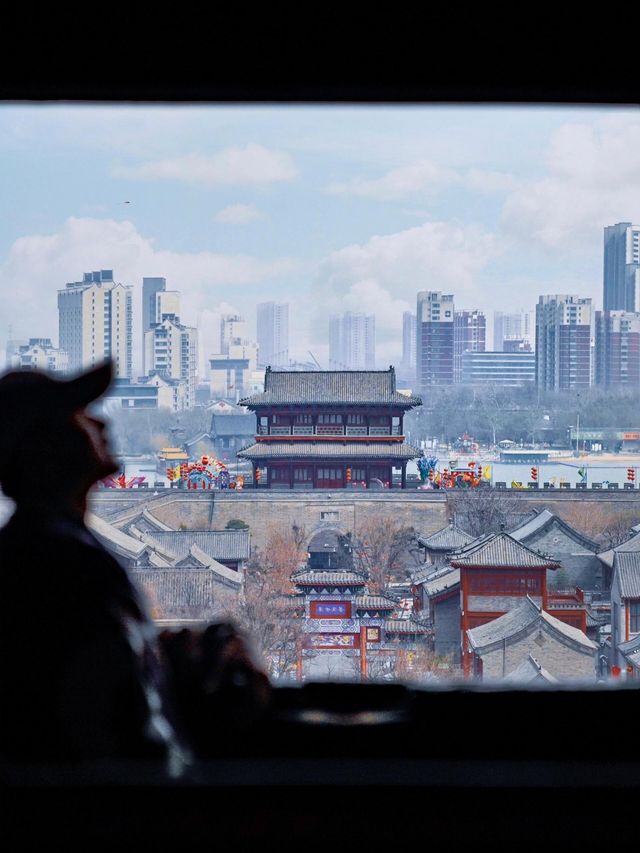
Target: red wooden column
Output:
[{"x": 364, "y": 667}]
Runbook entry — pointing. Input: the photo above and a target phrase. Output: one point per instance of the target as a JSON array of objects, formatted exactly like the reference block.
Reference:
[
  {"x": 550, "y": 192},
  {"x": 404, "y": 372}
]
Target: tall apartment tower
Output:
[
  {"x": 511, "y": 327},
  {"x": 408, "y": 363},
  {"x": 233, "y": 330},
  {"x": 171, "y": 350},
  {"x": 617, "y": 357},
  {"x": 95, "y": 322},
  {"x": 352, "y": 342},
  {"x": 563, "y": 342},
  {"x": 621, "y": 267},
  {"x": 434, "y": 343},
  {"x": 273, "y": 334},
  {"x": 469, "y": 335},
  {"x": 157, "y": 302}
]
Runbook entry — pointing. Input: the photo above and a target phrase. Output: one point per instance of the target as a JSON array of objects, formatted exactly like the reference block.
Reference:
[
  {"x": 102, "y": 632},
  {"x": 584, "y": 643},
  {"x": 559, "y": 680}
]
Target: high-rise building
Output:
[
  {"x": 518, "y": 325},
  {"x": 95, "y": 322},
  {"x": 352, "y": 342},
  {"x": 469, "y": 335},
  {"x": 273, "y": 334},
  {"x": 434, "y": 343},
  {"x": 157, "y": 303},
  {"x": 621, "y": 267},
  {"x": 617, "y": 360},
  {"x": 233, "y": 330},
  {"x": 171, "y": 351},
  {"x": 150, "y": 287},
  {"x": 408, "y": 364},
  {"x": 563, "y": 342}
]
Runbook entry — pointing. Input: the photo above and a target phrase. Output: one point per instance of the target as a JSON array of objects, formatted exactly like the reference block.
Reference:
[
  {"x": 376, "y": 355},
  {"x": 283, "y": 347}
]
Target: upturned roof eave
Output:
[{"x": 459, "y": 565}]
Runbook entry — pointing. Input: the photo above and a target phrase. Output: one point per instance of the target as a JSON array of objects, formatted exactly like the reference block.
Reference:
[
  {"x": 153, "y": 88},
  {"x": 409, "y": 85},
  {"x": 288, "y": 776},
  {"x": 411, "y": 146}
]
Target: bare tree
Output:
[
  {"x": 410, "y": 665},
  {"x": 480, "y": 511},
  {"x": 382, "y": 548},
  {"x": 270, "y": 612},
  {"x": 604, "y": 523}
]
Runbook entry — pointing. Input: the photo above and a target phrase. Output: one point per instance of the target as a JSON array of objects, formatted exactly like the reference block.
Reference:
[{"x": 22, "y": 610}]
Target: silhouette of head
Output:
[{"x": 49, "y": 445}]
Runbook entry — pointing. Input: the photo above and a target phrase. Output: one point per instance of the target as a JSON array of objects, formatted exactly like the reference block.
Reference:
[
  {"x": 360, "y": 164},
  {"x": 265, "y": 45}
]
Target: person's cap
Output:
[
  {"x": 33, "y": 399},
  {"x": 26, "y": 391}
]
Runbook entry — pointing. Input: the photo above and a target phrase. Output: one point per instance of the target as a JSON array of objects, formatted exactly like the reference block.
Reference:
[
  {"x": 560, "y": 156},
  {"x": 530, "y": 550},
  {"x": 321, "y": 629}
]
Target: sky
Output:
[{"x": 329, "y": 208}]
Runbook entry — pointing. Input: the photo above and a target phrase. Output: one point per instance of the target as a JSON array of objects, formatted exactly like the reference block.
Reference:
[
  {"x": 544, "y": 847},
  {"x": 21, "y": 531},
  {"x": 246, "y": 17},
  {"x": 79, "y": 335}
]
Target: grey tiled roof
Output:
[
  {"x": 522, "y": 618},
  {"x": 219, "y": 544},
  {"x": 114, "y": 539},
  {"x": 597, "y": 617},
  {"x": 375, "y": 602},
  {"x": 341, "y": 387},
  {"x": 450, "y": 538},
  {"x": 224, "y": 425},
  {"x": 306, "y": 577},
  {"x": 626, "y": 565},
  {"x": 406, "y": 626},
  {"x": 334, "y": 449},
  {"x": 420, "y": 575},
  {"x": 631, "y": 650},
  {"x": 176, "y": 593},
  {"x": 530, "y": 670},
  {"x": 442, "y": 581},
  {"x": 501, "y": 550},
  {"x": 546, "y": 519},
  {"x": 630, "y": 646},
  {"x": 631, "y": 544}
]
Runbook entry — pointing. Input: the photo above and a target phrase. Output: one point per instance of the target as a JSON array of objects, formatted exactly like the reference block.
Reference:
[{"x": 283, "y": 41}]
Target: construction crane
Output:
[{"x": 315, "y": 359}]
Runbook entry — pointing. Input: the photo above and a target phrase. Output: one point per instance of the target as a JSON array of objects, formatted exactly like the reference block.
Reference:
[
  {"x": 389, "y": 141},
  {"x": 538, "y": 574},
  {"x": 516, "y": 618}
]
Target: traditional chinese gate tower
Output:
[
  {"x": 345, "y": 627},
  {"x": 329, "y": 429}
]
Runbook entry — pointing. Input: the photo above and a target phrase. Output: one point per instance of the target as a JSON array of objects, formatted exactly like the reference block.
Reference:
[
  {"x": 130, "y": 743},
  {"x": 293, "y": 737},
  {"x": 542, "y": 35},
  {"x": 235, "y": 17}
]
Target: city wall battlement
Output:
[{"x": 265, "y": 511}]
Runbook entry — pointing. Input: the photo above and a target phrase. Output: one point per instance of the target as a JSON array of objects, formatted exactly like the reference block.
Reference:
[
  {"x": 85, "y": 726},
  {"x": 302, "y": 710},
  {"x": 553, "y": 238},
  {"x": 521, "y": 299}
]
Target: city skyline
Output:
[{"x": 330, "y": 209}]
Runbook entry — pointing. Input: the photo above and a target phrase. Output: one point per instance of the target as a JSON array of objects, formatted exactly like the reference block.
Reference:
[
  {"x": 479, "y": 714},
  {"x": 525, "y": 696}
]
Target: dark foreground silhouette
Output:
[{"x": 83, "y": 673}]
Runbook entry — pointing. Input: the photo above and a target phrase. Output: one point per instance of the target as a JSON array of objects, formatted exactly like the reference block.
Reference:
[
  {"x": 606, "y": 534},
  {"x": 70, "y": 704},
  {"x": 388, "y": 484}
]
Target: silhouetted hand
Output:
[{"x": 219, "y": 690}]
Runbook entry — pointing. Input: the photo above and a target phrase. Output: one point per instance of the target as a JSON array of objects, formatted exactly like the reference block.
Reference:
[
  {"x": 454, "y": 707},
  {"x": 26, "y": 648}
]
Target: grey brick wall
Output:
[{"x": 562, "y": 661}]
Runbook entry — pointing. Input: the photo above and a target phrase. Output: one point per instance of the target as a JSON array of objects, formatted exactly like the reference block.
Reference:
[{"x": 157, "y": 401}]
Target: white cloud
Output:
[
  {"x": 238, "y": 214},
  {"x": 237, "y": 166},
  {"x": 592, "y": 180},
  {"x": 38, "y": 265},
  {"x": 423, "y": 178},
  {"x": 383, "y": 276}
]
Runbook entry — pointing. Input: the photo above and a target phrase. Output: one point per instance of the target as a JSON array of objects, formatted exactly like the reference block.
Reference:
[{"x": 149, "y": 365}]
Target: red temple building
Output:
[
  {"x": 330, "y": 430},
  {"x": 496, "y": 573}
]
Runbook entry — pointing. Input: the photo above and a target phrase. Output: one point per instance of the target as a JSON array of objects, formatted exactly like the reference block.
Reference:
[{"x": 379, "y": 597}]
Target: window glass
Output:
[{"x": 294, "y": 284}]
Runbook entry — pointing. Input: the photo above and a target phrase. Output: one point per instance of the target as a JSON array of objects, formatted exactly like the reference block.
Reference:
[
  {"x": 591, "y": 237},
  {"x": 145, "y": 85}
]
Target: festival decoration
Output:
[
  {"x": 121, "y": 482},
  {"x": 426, "y": 467},
  {"x": 208, "y": 473},
  {"x": 451, "y": 477}
]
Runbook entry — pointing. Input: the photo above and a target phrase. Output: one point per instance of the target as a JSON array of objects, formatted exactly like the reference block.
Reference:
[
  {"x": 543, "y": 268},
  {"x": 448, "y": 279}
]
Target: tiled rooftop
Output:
[
  {"x": 450, "y": 538},
  {"x": 334, "y": 449},
  {"x": 219, "y": 544},
  {"x": 306, "y": 577},
  {"x": 626, "y": 566},
  {"x": 523, "y": 617},
  {"x": 338, "y": 387},
  {"x": 501, "y": 550},
  {"x": 546, "y": 519}
]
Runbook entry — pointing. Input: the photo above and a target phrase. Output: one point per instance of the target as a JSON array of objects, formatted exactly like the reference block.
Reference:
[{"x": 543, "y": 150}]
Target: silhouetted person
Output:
[{"x": 81, "y": 673}]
